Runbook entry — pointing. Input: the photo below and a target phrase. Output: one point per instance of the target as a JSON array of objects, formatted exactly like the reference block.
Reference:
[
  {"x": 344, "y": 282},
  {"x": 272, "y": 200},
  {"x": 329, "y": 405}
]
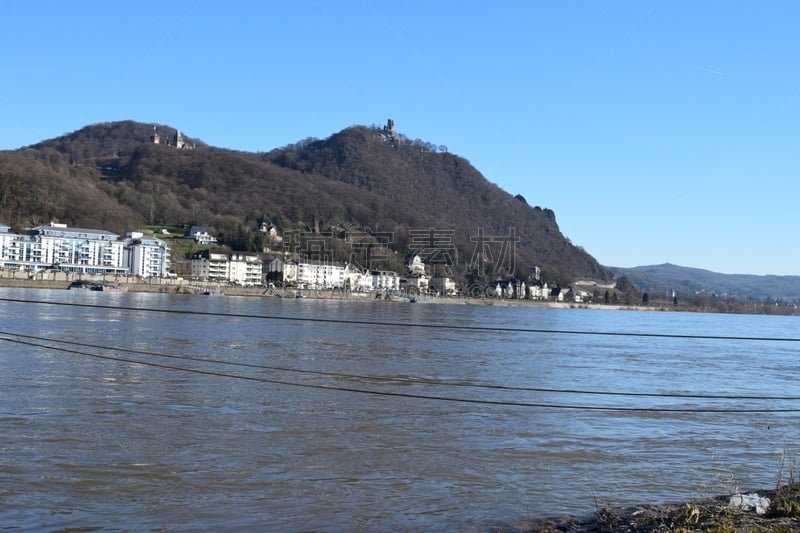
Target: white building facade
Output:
[
  {"x": 56, "y": 246},
  {"x": 357, "y": 280},
  {"x": 385, "y": 280},
  {"x": 330, "y": 275},
  {"x": 239, "y": 269},
  {"x": 147, "y": 257},
  {"x": 320, "y": 275},
  {"x": 244, "y": 270},
  {"x": 79, "y": 250}
]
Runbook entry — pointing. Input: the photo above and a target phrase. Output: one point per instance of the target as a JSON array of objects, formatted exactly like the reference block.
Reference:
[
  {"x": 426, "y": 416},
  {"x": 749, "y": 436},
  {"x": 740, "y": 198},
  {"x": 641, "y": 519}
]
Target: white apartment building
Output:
[
  {"x": 147, "y": 257},
  {"x": 88, "y": 251},
  {"x": 208, "y": 266},
  {"x": 308, "y": 274},
  {"x": 244, "y": 270},
  {"x": 320, "y": 274},
  {"x": 385, "y": 280},
  {"x": 223, "y": 268},
  {"x": 6, "y": 239},
  {"x": 80, "y": 250}
]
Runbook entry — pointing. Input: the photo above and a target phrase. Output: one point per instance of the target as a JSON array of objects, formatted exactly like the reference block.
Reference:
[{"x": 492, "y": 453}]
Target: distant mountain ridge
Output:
[
  {"x": 361, "y": 179},
  {"x": 668, "y": 277}
]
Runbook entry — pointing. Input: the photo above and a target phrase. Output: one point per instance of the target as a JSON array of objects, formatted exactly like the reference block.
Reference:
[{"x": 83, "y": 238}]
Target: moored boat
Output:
[
  {"x": 93, "y": 285},
  {"x": 400, "y": 297}
]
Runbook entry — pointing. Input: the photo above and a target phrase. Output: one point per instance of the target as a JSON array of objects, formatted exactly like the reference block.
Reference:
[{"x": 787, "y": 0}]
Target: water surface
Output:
[{"x": 374, "y": 415}]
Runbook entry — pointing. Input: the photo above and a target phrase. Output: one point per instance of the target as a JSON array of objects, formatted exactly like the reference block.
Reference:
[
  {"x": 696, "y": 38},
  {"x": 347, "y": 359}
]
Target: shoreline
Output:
[
  {"x": 168, "y": 286},
  {"x": 731, "y": 513}
]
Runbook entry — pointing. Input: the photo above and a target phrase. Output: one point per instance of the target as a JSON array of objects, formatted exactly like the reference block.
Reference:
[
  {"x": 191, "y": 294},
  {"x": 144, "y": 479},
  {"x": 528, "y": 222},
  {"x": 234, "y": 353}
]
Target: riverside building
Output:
[{"x": 80, "y": 250}]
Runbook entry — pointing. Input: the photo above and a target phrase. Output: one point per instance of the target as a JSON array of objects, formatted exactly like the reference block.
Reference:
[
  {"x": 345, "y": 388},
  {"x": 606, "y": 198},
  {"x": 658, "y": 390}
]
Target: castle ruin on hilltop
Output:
[
  {"x": 178, "y": 140},
  {"x": 388, "y": 133}
]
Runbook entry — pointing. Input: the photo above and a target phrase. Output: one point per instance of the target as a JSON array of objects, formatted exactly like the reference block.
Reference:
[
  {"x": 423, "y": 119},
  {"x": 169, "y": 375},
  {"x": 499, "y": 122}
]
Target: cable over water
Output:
[{"x": 452, "y": 327}]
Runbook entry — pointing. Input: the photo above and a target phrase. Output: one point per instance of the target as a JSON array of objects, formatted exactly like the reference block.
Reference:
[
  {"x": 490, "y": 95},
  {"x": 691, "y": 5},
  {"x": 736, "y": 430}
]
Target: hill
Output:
[
  {"x": 667, "y": 277},
  {"x": 402, "y": 194}
]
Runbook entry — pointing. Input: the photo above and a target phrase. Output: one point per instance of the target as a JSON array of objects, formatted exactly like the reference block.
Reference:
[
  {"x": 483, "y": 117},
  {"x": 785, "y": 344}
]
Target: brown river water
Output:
[{"x": 153, "y": 412}]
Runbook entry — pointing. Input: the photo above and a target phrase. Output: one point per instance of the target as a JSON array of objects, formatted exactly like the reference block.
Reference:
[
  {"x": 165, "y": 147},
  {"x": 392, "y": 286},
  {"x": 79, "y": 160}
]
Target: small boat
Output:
[
  {"x": 93, "y": 285},
  {"x": 400, "y": 297}
]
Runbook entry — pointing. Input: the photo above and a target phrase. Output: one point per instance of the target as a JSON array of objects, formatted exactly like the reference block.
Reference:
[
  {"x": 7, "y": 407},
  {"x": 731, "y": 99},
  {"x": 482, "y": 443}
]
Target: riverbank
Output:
[
  {"x": 170, "y": 286},
  {"x": 722, "y": 514}
]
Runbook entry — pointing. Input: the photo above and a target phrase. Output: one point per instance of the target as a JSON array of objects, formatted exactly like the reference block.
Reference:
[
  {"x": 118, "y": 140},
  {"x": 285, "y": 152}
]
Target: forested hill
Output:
[
  {"x": 361, "y": 179},
  {"x": 431, "y": 188}
]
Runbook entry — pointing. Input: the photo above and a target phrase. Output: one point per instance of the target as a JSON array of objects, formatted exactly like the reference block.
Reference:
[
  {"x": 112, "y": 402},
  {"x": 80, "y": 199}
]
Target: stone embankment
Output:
[{"x": 62, "y": 280}]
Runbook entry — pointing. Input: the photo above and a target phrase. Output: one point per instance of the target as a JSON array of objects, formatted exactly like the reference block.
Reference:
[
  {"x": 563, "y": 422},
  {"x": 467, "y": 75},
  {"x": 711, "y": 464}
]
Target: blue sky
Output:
[{"x": 657, "y": 131}]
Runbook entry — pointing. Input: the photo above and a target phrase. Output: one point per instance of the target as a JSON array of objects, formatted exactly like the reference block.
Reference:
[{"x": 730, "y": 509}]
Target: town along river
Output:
[{"x": 132, "y": 412}]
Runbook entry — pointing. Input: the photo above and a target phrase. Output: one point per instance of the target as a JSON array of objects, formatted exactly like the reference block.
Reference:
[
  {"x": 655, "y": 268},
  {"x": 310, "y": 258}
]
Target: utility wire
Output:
[
  {"x": 397, "y": 379},
  {"x": 405, "y": 394},
  {"x": 411, "y": 325}
]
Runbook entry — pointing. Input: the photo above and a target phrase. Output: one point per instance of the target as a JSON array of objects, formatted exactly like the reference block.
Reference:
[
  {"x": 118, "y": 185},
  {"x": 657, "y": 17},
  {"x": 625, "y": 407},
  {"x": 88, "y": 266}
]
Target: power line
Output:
[
  {"x": 405, "y": 394},
  {"x": 413, "y": 381},
  {"x": 411, "y": 325}
]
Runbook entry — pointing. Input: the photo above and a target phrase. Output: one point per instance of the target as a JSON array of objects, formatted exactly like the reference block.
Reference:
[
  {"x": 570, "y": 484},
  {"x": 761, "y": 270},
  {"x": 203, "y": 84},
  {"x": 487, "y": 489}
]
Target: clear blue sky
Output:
[{"x": 657, "y": 131}]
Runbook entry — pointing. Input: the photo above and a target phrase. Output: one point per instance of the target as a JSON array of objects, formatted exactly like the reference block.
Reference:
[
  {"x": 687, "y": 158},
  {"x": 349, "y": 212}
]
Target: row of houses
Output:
[
  {"x": 250, "y": 270},
  {"x": 99, "y": 252},
  {"x": 238, "y": 269},
  {"x": 331, "y": 275},
  {"x": 84, "y": 251},
  {"x": 518, "y": 290},
  {"x": 57, "y": 246}
]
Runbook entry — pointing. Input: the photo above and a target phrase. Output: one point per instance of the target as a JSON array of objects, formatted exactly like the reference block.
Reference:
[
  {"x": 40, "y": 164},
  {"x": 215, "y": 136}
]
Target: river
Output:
[{"x": 155, "y": 412}]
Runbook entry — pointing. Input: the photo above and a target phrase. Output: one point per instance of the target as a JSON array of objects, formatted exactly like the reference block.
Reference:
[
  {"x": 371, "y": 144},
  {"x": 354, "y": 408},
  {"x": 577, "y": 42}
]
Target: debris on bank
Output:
[{"x": 768, "y": 511}]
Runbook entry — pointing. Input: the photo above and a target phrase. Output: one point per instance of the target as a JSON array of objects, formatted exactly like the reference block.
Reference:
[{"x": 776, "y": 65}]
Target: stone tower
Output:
[
  {"x": 180, "y": 142},
  {"x": 389, "y": 129}
]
